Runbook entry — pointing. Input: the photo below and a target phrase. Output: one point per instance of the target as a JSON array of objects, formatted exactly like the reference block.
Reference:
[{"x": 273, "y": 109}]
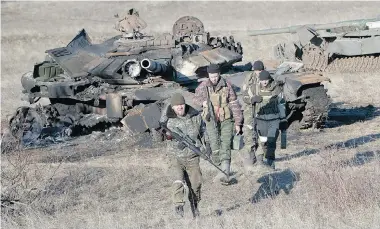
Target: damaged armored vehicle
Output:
[
  {"x": 346, "y": 46},
  {"x": 121, "y": 81},
  {"x": 127, "y": 79}
]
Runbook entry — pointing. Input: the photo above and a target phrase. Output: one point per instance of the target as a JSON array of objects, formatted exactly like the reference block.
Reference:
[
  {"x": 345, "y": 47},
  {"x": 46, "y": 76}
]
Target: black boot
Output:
[
  {"x": 194, "y": 210},
  {"x": 271, "y": 163},
  {"x": 179, "y": 210},
  {"x": 262, "y": 166}
]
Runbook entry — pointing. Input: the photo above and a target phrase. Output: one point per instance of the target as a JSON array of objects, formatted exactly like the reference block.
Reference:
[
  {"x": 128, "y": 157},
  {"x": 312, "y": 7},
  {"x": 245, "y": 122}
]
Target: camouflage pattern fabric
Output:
[
  {"x": 250, "y": 136},
  {"x": 234, "y": 105},
  {"x": 190, "y": 125},
  {"x": 186, "y": 170},
  {"x": 221, "y": 148},
  {"x": 269, "y": 113},
  {"x": 187, "y": 176}
]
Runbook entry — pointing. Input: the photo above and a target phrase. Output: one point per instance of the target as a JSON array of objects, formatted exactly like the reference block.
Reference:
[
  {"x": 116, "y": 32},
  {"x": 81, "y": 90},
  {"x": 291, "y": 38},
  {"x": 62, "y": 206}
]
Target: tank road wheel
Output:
[{"x": 316, "y": 108}]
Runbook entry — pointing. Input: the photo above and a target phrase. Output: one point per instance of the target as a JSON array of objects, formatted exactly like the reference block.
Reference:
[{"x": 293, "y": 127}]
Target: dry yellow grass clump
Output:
[{"x": 326, "y": 179}]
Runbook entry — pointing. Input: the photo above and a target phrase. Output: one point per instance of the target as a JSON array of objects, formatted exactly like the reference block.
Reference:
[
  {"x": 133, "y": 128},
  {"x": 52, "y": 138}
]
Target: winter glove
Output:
[
  {"x": 256, "y": 99},
  {"x": 283, "y": 124},
  {"x": 208, "y": 117},
  {"x": 181, "y": 146}
]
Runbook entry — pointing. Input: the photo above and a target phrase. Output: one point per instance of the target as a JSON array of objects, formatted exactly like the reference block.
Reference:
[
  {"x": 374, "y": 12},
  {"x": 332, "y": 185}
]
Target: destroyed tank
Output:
[
  {"x": 347, "y": 46},
  {"x": 121, "y": 81}
]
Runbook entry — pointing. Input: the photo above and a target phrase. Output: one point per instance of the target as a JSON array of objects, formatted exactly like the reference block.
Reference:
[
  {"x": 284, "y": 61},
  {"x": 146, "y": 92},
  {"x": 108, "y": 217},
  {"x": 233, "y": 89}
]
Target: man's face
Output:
[
  {"x": 257, "y": 72},
  {"x": 214, "y": 78},
  {"x": 264, "y": 83},
  {"x": 179, "y": 109}
]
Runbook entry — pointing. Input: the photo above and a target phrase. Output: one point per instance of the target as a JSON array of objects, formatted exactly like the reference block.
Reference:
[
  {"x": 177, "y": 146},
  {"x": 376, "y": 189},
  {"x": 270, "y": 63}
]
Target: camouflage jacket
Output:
[
  {"x": 248, "y": 88},
  {"x": 273, "y": 105},
  {"x": 191, "y": 125},
  {"x": 233, "y": 103}
]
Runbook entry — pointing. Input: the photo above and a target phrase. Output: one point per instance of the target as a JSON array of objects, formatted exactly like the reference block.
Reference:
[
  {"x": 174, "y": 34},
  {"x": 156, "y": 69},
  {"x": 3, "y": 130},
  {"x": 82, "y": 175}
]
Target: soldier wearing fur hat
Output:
[
  {"x": 270, "y": 116},
  {"x": 228, "y": 117},
  {"x": 186, "y": 171}
]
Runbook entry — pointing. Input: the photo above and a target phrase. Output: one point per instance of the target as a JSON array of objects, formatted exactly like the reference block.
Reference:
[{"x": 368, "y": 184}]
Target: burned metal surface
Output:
[
  {"x": 343, "y": 44},
  {"x": 121, "y": 81}
]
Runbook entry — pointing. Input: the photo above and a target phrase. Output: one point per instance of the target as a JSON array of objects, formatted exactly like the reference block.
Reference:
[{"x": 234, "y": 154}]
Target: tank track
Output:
[
  {"x": 355, "y": 64},
  {"x": 316, "y": 109},
  {"x": 317, "y": 61},
  {"x": 27, "y": 123}
]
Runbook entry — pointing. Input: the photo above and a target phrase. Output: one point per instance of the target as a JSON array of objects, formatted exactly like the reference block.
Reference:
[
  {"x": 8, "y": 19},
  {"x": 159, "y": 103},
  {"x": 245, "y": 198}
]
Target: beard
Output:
[{"x": 216, "y": 82}]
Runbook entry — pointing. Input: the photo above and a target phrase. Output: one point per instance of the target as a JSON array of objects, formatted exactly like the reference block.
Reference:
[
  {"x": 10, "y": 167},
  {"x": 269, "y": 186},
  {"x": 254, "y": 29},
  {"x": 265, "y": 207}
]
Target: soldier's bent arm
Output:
[
  {"x": 234, "y": 105},
  {"x": 200, "y": 94},
  {"x": 246, "y": 87},
  {"x": 281, "y": 105}
]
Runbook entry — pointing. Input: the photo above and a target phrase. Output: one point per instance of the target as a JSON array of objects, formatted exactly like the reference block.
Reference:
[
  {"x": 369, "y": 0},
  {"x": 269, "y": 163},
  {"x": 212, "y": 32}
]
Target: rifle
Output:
[
  {"x": 181, "y": 137},
  {"x": 210, "y": 117}
]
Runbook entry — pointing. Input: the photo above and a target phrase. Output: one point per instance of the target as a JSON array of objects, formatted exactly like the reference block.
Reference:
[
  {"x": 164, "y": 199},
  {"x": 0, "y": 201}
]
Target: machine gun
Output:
[{"x": 181, "y": 137}]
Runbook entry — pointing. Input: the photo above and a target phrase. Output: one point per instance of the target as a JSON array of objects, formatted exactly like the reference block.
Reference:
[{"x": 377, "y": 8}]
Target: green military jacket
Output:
[
  {"x": 273, "y": 105},
  {"x": 190, "y": 125},
  {"x": 249, "y": 87}
]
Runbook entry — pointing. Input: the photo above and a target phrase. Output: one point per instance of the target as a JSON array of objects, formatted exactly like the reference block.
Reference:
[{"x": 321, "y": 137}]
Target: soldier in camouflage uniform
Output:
[
  {"x": 270, "y": 117},
  {"x": 226, "y": 107},
  {"x": 250, "y": 137},
  {"x": 186, "y": 170}
]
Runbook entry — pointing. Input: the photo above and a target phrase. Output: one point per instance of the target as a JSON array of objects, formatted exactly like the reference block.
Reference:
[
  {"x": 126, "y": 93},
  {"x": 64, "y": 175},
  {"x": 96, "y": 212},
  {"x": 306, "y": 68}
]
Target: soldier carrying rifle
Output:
[
  {"x": 185, "y": 147},
  {"x": 220, "y": 107}
]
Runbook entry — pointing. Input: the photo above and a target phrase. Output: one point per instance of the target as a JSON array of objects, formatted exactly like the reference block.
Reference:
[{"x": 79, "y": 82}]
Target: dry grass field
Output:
[{"x": 325, "y": 179}]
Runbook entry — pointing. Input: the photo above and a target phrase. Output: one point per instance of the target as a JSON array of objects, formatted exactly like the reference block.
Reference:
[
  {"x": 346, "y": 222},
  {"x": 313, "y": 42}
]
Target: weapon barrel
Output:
[
  {"x": 293, "y": 29},
  {"x": 154, "y": 66}
]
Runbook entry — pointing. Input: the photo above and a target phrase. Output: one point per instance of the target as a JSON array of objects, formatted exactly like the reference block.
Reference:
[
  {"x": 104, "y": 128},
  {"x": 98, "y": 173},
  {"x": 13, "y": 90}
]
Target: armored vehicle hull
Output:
[
  {"x": 121, "y": 81},
  {"x": 348, "y": 46}
]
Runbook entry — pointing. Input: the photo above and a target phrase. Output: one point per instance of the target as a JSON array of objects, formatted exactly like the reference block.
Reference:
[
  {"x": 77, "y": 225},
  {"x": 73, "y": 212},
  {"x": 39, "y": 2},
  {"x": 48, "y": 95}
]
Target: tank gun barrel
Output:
[
  {"x": 154, "y": 67},
  {"x": 293, "y": 29}
]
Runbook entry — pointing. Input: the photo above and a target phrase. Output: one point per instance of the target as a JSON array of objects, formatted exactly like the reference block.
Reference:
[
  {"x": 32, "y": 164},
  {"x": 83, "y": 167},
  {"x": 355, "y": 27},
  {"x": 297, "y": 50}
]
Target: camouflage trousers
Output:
[
  {"x": 221, "y": 147},
  {"x": 250, "y": 136},
  {"x": 268, "y": 132},
  {"x": 187, "y": 178}
]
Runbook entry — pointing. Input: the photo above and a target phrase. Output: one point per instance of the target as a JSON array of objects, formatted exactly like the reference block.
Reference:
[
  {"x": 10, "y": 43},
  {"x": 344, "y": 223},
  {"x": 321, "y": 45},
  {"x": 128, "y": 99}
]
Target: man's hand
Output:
[
  {"x": 204, "y": 104},
  {"x": 283, "y": 124},
  {"x": 238, "y": 129},
  {"x": 181, "y": 145},
  {"x": 256, "y": 99}
]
